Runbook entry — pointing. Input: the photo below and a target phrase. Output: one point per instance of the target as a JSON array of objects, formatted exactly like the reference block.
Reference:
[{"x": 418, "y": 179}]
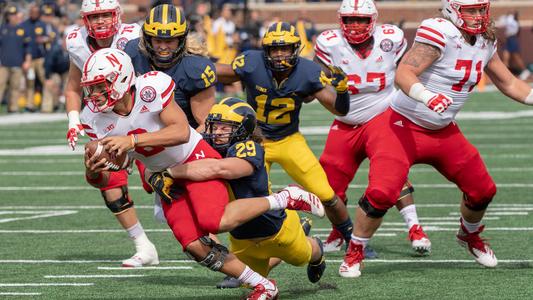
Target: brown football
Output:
[{"x": 114, "y": 162}]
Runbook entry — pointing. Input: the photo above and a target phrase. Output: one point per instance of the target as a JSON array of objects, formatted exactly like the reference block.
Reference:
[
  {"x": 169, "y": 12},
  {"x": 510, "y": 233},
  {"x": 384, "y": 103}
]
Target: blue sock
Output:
[{"x": 345, "y": 228}]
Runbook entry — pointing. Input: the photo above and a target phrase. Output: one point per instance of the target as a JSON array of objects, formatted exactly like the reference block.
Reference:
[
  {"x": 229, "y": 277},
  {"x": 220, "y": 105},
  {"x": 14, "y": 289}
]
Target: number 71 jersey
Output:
[{"x": 370, "y": 79}]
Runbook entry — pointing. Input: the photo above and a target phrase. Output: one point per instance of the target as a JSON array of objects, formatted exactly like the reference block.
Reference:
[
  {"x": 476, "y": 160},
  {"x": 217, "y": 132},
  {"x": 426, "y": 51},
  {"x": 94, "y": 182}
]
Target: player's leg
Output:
[
  {"x": 118, "y": 201},
  {"x": 406, "y": 206},
  {"x": 461, "y": 163}
]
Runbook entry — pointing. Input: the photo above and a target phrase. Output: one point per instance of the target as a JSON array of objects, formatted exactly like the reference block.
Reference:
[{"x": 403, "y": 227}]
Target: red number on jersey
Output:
[
  {"x": 72, "y": 35},
  {"x": 151, "y": 73},
  {"x": 467, "y": 65},
  {"x": 146, "y": 151},
  {"x": 388, "y": 30},
  {"x": 370, "y": 77},
  {"x": 330, "y": 35},
  {"x": 128, "y": 28},
  {"x": 373, "y": 76},
  {"x": 356, "y": 80}
]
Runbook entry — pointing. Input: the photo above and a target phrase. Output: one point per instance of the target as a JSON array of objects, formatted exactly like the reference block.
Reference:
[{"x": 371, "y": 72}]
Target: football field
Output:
[{"x": 59, "y": 241}]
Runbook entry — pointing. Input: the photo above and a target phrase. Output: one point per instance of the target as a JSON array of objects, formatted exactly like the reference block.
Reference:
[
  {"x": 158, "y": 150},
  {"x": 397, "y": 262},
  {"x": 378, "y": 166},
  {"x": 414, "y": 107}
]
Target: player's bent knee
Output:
[
  {"x": 370, "y": 209},
  {"x": 120, "y": 205},
  {"x": 215, "y": 258},
  {"x": 480, "y": 201},
  {"x": 331, "y": 202}
]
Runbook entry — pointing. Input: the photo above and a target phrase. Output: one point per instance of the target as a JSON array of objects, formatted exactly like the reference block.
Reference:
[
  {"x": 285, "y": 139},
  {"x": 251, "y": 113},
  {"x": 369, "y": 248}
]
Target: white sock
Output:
[
  {"x": 136, "y": 233},
  {"x": 253, "y": 278},
  {"x": 470, "y": 227},
  {"x": 278, "y": 200},
  {"x": 360, "y": 240},
  {"x": 409, "y": 216}
]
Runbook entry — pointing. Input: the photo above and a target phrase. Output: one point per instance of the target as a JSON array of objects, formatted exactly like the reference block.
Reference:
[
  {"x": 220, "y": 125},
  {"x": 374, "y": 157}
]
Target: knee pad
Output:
[
  {"x": 370, "y": 210},
  {"x": 406, "y": 190},
  {"x": 332, "y": 202},
  {"x": 215, "y": 258},
  {"x": 121, "y": 204}
]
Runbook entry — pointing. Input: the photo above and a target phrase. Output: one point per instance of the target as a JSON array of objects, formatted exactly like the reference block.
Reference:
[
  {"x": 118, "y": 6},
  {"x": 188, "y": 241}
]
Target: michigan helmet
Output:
[
  {"x": 234, "y": 112},
  {"x": 353, "y": 32},
  {"x": 108, "y": 73},
  {"x": 165, "y": 22},
  {"x": 278, "y": 35},
  {"x": 95, "y": 7},
  {"x": 453, "y": 10}
]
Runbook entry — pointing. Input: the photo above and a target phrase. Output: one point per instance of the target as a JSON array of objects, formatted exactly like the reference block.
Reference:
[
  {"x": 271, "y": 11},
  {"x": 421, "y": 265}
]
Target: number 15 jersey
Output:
[
  {"x": 455, "y": 73},
  {"x": 370, "y": 79}
]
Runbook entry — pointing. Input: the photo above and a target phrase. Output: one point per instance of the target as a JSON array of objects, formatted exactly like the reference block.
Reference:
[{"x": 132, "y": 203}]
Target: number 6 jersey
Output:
[
  {"x": 370, "y": 79},
  {"x": 153, "y": 92},
  {"x": 455, "y": 73}
]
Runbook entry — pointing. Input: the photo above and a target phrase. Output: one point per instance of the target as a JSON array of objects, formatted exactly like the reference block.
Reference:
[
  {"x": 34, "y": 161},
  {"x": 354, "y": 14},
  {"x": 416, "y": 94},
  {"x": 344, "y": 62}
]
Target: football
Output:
[{"x": 114, "y": 162}]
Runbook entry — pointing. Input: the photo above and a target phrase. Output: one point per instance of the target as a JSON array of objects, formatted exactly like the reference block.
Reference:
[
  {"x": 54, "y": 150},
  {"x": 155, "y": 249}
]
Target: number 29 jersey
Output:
[
  {"x": 153, "y": 92},
  {"x": 370, "y": 79},
  {"x": 455, "y": 73}
]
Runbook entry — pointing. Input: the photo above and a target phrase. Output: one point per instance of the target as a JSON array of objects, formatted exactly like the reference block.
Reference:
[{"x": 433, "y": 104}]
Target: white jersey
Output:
[
  {"x": 370, "y": 79},
  {"x": 79, "y": 50},
  {"x": 153, "y": 92},
  {"x": 455, "y": 73}
]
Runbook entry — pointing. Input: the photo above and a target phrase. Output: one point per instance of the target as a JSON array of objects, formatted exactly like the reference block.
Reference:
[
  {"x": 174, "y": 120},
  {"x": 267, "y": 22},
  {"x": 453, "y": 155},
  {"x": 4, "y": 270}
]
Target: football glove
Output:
[
  {"x": 439, "y": 103},
  {"x": 74, "y": 128},
  {"x": 163, "y": 184},
  {"x": 338, "y": 79}
]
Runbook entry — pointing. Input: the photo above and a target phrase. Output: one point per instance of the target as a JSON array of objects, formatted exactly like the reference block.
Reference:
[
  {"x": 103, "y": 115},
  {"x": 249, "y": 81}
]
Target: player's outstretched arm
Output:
[
  {"x": 73, "y": 104},
  {"x": 225, "y": 74},
  {"x": 507, "y": 83},
  {"x": 420, "y": 57},
  {"x": 210, "y": 168},
  {"x": 337, "y": 101},
  {"x": 201, "y": 103}
]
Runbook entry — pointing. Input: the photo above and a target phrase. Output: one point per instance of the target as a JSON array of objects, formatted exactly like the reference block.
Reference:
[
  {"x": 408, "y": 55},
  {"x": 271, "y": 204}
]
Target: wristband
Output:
[
  {"x": 73, "y": 118},
  {"x": 419, "y": 93}
]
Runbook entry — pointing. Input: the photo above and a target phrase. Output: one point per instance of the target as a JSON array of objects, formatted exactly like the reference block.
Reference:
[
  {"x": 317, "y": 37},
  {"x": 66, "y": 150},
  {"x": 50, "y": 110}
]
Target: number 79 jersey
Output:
[
  {"x": 455, "y": 73},
  {"x": 153, "y": 92},
  {"x": 370, "y": 79}
]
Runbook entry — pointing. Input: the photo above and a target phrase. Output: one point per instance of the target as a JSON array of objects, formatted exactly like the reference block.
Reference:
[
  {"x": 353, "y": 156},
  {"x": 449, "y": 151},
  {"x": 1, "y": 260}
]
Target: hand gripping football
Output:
[{"x": 114, "y": 162}]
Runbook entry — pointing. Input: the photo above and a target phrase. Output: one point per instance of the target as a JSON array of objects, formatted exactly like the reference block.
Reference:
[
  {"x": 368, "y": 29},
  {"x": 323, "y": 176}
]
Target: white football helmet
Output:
[
  {"x": 452, "y": 9},
  {"x": 107, "y": 76},
  {"x": 358, "y": 33},
  {"x": 101, "y": 29}
]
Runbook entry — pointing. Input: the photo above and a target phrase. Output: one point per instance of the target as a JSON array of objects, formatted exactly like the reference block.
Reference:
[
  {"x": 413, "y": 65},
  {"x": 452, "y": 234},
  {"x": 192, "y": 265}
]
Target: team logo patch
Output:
[
  {"x": 148, "y": 94},
  {"x": 386, "y": 45},
  {"x": 121, "y": 43}
]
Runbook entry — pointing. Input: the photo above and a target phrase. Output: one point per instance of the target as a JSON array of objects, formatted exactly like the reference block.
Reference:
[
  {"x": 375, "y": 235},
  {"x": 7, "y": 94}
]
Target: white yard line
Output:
[
  {"x": 24, "y": 118},
  {"x": 498, "y": 213},
  {"x": 18, "y": 294},
  {"x": 45, "y": 284},
  {"x": 35, "y": 214},
  {"x": 95, "y": 276},
  {"x": 146, "y": 268}
]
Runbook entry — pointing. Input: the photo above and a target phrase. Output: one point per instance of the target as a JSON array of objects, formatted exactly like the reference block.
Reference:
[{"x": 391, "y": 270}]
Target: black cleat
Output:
[
  {"x": 315, "y": 270},
  {"x": 370, "y": 253},
  {"x": 229, "y": 283}
]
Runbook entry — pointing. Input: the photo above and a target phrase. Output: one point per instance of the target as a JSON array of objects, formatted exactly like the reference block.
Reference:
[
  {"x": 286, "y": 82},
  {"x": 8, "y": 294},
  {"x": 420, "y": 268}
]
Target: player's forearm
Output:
[
  {"x": 198, "y": 170},
  {"x": 225, "y": 74},
  {"x": 72, "y": 101},
  {"x": 405, "y": 78},
  {"x": 172, "y": 135},
  {"x": 201, "y": 104},
  {"x": 519, "y": 91}
]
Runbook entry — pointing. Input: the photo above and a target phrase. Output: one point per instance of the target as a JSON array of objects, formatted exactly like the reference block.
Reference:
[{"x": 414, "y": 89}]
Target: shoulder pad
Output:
[
  {"x": 199, "y": 72},
  {"x": 391, "y": 32},
  {"x": 130, "y": 31},
  {"x": 132, "y": 48},
  {"x": 435, "y": 32},
  {"x": 247, "y": 62},
  {"x": 155, "y": 88},
  {"x": 329, "y": 38}
]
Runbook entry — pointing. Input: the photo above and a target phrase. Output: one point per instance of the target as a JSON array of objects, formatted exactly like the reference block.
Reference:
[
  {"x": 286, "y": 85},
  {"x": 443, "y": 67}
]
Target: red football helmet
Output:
[
  {"x": 101, "y": 28},
  {"x": 357, "y": 33}
]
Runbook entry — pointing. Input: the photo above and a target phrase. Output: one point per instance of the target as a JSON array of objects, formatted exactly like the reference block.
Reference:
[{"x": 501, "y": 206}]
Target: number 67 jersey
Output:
[
  {"x": 455, "y": 73},
  {"x": 370, "y": 79},
  {"x": 153, "y": 92}
]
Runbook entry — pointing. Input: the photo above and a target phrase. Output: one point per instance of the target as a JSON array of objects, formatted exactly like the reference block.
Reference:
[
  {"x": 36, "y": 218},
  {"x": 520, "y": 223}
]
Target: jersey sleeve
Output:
[
  {"x": 245, "y": 63},
  {"x": 430, "y": 32},
  {"x": 311, "y": 73},
  {"x": 200, "y": 73},
  {"x": 132, "y": 48},
  {"x": 399, "y": 42},
  {"x": 250, "y": 151},
  {"x": 322, "y": 46},
  {"x": 156, "y": 89}
]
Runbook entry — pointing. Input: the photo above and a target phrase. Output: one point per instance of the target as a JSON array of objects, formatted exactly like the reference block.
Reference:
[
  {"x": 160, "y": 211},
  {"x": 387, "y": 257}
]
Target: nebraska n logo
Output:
[{"x": 200, "y": 155}]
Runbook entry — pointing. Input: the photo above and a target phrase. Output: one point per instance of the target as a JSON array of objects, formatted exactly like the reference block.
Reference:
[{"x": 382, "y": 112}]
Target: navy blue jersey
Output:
[
  {"x": 35, "y": 30},
  {"x": 277, "y": 105},
  {"x": 13, "y": 47},
  {"x": 192, "y": 74},
  {"x": 254, "y": 185}
]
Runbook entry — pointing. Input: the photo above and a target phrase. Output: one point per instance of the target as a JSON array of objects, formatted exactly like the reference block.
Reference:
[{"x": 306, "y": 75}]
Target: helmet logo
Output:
[{"x": 148, "y": 94}]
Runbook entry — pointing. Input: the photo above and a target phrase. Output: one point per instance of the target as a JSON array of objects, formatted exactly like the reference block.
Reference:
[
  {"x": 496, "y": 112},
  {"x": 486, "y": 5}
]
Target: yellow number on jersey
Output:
[
  {"x": 246, "y": 149},
  {"x": 208, "y": 76},
  {"x": 278, "y": 115},
  {"x": 238, "y": 62}
]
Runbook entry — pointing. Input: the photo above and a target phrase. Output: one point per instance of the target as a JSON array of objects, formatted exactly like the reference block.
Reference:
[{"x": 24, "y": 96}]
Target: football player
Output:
[
  {"x": 230, "y": 129},
  {"x": 138, "y": 115},
  {"x": 369, "y": 55},
  {"x": 104, "y": 29},
  {"x": 164, "y": 46},
  {"x": 436, "y": 77},
  {"x": 277, "y": 82}
]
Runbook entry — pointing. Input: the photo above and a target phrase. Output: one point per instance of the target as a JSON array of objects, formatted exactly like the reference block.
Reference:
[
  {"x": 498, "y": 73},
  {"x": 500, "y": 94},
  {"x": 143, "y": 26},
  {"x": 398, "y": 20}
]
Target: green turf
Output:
[{"x": 504, "y": 144}]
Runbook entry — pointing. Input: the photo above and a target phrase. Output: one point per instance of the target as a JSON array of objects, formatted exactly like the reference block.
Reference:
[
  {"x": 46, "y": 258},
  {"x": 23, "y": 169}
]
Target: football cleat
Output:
[
  {"x": 370, "y": 253},
  {"x": 419, "y": 240},
  {"x": 353, "y": 261},
  {"x": 477, "y": 247},
  {"x": 302, "y": 200},
  {"x": 260, "y": 292},
  {"x": 334, "y": 241},
  {"x": 229, "y": 282},
  {"x": 306, "y": 225},
  {"x": 146, "y": 256},
  {"x": 316, "y": 270}
]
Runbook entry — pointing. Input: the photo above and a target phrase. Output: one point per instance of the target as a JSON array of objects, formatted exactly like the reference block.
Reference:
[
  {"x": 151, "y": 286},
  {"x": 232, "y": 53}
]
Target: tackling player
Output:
[
  {"x": 230, "y": 129},
  {"x": 436, "y": 77},
  {"x": 104, "y": 29},
  {"x": 277, "y": 82},
  {"x": 369, "y": 55},
  {"x": 165, "y": 46},
  {"x": 138, "y": 115}
]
